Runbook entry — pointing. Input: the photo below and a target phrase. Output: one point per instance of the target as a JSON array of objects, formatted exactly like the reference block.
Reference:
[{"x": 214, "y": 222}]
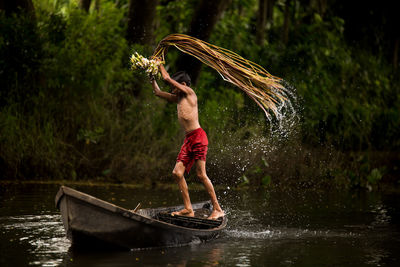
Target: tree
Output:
[
  {"x": 261, "y": 21},
  {"x": 396, "y": 54},
  {"x": 318, "y": 6},
  {"x": 16, "y": 6},
  {"x": 286, "y": 22},
  {"x": 205, "y": 17},
  {"x": 85, "y": 4},
  {"x": 141, "y": 16},
  {"x": 20, "y": 50},
  {"x": 373, "y": 28},
  {"x": 264, "y": 17}
]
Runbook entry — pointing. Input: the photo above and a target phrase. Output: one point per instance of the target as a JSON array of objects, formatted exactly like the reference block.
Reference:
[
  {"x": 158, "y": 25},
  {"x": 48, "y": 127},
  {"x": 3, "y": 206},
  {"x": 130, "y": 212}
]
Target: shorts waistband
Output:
[{"x": 193, "y": 132}]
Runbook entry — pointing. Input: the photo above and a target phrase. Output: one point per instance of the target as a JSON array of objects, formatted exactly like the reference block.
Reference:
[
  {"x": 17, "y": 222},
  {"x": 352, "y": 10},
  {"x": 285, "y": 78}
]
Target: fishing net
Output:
[{"x": 265, "y": 89}]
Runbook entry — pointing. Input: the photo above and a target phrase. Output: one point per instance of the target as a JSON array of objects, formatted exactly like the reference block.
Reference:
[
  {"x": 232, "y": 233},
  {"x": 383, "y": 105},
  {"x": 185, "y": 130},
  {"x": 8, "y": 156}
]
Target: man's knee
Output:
[
  {"x": 202, "y": 176},
  {"x": 177, "y": 174}
]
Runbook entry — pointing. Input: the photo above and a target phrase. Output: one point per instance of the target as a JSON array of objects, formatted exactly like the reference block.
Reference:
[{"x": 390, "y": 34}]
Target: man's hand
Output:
[
  {"x": 167, "y": 96},
  {"x": 181, "y": 87}
]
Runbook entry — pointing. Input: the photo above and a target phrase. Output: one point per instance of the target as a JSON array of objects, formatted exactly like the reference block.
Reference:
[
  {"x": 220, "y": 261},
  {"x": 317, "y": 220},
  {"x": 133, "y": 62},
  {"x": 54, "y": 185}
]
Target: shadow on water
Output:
[{"x": 266, "y": 227}]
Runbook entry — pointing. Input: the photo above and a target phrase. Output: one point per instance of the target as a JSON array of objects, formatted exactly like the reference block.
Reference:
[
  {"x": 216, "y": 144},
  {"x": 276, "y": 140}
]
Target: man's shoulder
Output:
[
  {"x": 191, "y": 90},
  {"x": 190, "y": 96}
]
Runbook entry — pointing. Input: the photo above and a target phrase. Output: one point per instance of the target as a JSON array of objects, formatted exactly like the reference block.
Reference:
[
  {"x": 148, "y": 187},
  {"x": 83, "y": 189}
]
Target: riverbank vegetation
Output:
[{"x": 71, "y": 108}]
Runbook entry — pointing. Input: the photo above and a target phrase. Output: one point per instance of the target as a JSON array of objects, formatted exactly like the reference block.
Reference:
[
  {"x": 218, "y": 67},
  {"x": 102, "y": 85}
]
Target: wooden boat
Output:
[{"x": 93, "y": 223}]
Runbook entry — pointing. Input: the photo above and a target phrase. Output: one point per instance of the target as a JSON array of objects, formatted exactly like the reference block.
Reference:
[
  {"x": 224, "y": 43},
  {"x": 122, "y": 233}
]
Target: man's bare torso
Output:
[{"x": 188, "y": 114}]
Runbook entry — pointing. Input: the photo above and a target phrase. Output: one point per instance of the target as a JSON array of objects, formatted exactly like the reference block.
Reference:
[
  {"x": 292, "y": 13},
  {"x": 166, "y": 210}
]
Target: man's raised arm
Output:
[
  {"x": 183, "y": 88},
  {"x": 162, "y": 94}
]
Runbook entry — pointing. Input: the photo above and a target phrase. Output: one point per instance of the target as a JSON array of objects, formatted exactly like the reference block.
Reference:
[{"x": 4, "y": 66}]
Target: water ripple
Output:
[
  {"x": 44, "y": 234},
  {"x": 288, "y": 233}
]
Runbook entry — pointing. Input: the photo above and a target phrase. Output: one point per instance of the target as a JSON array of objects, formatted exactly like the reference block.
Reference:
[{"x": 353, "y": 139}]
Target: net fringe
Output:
[{"x": 262, "y": 87}]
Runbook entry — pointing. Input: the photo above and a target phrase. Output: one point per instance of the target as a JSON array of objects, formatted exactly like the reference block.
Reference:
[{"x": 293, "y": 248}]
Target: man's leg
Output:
[
  {"x": 202, "y": 175},
  {"x": 177, "y": 173}
]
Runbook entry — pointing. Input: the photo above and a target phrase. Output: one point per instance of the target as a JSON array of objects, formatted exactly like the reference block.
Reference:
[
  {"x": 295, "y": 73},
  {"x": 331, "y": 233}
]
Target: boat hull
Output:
[{"x": 91, "y": 222}]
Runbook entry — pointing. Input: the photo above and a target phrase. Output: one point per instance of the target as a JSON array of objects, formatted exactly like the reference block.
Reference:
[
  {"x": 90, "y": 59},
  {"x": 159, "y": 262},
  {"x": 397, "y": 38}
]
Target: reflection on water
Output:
[
  {"x": 200, "y": 255},
  {"x": 381, "y": 215},
  {"x": 264, "y": 228},
  {"x": 43, "y": 235}
]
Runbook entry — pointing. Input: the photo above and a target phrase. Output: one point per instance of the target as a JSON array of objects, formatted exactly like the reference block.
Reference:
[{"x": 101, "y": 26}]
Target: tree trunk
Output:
[
  {"x": 205, "y": 17},
  {"x": 270, "y": 11},
  {"x": 141, "y": 18},
  {"x": 97, "y": 5},
  {"x": 286, "y": 22},
  {"x": 15, "y": 6},
  {"x": 261, "y": 21},
  {"x": 396, "y": 54},
  {"x": 322, "y": 6},
  {"x": 264, "y": 19},
  {"x": 85, "y": 4}
]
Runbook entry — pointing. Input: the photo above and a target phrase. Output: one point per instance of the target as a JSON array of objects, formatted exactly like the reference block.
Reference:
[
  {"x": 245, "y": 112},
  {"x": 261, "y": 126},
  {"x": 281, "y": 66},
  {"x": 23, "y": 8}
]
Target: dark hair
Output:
[{"x": 182, "y": 76}]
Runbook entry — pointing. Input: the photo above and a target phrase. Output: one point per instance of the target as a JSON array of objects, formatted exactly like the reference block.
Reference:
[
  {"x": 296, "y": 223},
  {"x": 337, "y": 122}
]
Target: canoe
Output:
[{"x": 92, "y": 223}]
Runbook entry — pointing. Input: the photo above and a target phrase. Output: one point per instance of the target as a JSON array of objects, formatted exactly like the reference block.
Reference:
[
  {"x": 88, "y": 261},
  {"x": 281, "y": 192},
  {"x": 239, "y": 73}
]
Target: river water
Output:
[{"x": 265, "y": 228}]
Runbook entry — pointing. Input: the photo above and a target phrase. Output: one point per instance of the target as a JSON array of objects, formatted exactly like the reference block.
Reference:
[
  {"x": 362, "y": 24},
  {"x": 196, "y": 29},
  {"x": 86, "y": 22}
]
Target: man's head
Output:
[{"x": 182, "y": 77}]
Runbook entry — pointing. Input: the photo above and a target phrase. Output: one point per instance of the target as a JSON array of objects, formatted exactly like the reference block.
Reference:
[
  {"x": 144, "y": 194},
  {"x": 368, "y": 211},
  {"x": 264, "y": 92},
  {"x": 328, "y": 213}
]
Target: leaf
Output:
[
  {"x": 374, "y": 176},
  {"x": 266, "y": 180}
]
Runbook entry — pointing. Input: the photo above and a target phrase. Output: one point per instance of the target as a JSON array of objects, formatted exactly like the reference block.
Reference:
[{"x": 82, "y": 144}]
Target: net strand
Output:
[{"x": 262, "y": 87}]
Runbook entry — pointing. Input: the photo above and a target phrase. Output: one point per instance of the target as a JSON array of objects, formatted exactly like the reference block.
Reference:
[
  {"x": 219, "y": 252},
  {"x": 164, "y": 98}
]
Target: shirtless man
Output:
[{"x": 194, "y": 149}]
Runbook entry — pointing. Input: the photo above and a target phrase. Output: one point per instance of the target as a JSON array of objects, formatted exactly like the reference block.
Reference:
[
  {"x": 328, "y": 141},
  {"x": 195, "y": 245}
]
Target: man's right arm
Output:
[{"x": 167, "y": 96}]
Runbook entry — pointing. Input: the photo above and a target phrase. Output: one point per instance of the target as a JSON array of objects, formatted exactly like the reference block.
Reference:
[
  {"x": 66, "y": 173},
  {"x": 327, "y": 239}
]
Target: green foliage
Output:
[
  {"x": 343, "y": 89},
  {"x": 174, "y": 17},
  {"x": 86, "y": 118},
  {"x": 374, "y": 177},
  {"x": 20, "y": 58},
  {"x": 257, "y": 174},
  {"x": 70, "y": 107}
]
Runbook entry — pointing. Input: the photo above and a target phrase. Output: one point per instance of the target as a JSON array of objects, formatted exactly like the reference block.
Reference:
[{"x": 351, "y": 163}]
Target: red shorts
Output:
[{"x": 194, "y": 148}]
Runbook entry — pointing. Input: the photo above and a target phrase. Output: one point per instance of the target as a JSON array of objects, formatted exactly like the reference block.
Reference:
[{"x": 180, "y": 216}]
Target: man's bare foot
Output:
[
  {"x": 184, "y": 212},
  {"x": 216, "y": 214}
]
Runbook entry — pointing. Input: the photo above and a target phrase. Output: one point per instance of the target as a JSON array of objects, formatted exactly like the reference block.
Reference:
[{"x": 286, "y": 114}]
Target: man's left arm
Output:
[
  {"x": 167, "y": 96},
  {"x": 183, "y": 88}
]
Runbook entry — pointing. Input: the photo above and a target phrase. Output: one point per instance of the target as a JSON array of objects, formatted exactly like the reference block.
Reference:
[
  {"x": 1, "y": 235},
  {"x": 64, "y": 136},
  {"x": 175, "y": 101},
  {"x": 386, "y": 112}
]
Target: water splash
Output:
[
  {"x": 287, "y": 233},
  {"x": 263, "y": 234},
  {"x": 243, "y": 147},
  {"x": 288, "y": 116}
]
